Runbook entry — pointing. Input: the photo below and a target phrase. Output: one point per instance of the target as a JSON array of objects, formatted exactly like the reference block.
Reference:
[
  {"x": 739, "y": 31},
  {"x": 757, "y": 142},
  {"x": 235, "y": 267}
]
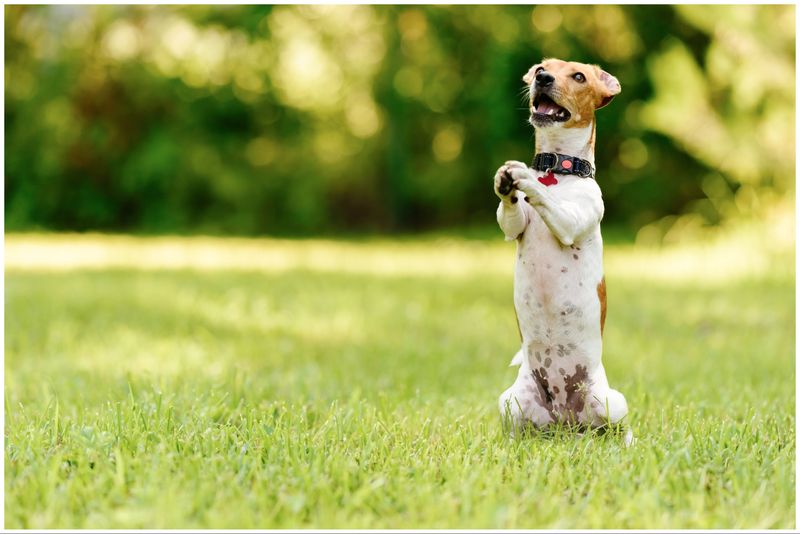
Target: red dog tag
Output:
[{"x": 548, "y": 179}]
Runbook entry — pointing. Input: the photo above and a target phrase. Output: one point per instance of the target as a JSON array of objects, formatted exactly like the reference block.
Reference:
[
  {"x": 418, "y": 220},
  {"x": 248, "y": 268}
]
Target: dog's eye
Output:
[
  {"x": 579, "y": 77},
  {"x": 538, "y": 70}
]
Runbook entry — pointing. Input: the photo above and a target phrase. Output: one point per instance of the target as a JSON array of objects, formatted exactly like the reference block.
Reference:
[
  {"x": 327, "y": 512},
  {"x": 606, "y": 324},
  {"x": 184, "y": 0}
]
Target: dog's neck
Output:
[{"x": 577, "y": 142}]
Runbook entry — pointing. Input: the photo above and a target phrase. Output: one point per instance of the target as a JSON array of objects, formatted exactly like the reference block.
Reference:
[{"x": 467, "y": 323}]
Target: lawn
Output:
[{"x": 198, "y": 382}]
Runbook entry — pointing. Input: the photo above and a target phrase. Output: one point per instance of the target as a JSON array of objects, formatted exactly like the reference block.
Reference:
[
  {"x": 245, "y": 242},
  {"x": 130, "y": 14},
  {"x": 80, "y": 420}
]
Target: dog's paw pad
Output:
[{"x": 506, "y": 184}]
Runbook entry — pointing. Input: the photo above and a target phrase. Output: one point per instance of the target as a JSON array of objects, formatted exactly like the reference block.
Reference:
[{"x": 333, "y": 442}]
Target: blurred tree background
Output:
[{"x": 299, "y": 120}]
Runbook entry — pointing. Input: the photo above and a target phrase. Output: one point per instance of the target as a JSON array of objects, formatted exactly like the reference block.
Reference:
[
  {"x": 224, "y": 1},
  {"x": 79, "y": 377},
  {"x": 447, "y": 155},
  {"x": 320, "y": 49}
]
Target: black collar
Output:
[{"x": 563, "y": 164}]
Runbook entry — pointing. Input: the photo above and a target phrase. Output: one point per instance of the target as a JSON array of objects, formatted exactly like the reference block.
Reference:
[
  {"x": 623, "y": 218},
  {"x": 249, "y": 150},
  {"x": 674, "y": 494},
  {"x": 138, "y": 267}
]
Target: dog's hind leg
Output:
[
  {"x": 511, "y": 410},
  {"x": 521, "y": 404},
  {"x": 609, "y": 408},
  {"x": 607, "y": 405}
]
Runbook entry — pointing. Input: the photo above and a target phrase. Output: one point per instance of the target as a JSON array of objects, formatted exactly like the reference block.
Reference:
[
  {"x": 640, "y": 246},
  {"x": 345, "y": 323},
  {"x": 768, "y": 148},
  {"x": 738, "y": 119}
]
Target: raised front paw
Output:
[
  {"x": 514, "y": 164},
  {"x": 503, "y": 182},
  {"x": 523, "y": 182},
  {"x": 503, "y": 179}
]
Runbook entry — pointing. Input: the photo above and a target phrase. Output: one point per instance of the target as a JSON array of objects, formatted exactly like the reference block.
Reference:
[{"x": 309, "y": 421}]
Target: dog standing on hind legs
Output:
[{"x": 553, "y": 210}]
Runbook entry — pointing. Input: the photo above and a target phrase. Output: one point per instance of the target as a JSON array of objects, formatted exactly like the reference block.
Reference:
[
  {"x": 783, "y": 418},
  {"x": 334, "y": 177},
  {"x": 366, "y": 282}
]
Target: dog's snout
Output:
[{"x": 544, "y": 78}]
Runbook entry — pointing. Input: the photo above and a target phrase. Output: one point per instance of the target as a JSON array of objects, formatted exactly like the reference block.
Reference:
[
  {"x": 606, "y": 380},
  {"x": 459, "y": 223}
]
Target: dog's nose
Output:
[{"x": 543, "y": 79}]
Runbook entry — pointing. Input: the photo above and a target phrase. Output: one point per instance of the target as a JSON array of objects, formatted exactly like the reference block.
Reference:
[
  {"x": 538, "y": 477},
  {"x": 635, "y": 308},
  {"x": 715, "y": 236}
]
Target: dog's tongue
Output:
[{"x": 547, "y": 106}]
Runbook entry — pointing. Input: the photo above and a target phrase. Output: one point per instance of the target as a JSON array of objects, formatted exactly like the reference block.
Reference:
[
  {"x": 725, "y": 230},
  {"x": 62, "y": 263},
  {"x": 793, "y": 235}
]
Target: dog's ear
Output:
[
  {"x": 609, "y": 87},
  {"x": 528, "y": 78}
]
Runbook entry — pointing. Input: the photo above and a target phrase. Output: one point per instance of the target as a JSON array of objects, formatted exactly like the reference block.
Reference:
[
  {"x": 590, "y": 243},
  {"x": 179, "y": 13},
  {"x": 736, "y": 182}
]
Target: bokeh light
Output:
[{"x": 202, "y": 118}]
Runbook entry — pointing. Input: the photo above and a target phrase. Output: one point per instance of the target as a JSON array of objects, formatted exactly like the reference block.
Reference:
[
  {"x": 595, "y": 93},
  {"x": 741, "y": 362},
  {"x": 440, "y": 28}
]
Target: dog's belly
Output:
[{"x": 558, "y": 309}]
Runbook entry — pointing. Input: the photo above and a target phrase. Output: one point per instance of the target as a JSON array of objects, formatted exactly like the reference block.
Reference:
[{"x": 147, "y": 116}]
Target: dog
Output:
[{"x": 553, "y": 210}]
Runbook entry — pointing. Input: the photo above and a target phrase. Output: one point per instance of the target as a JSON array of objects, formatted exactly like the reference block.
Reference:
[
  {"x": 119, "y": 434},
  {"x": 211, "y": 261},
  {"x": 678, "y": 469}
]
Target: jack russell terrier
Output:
[{"x": 553, "y": 210}]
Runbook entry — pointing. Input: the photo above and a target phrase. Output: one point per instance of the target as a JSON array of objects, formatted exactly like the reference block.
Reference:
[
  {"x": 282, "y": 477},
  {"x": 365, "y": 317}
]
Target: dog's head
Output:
[{"x": 566, "y": 93}]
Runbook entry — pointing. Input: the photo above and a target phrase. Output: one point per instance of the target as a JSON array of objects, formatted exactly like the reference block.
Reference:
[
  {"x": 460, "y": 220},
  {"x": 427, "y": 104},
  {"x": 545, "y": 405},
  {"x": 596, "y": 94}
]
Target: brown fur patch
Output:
[
  {"x": 592, "y": 139},
  {"x": 576, "y": 386},
  {"x": 544, "y": 397},
  {"x": 601, "y": 294}
]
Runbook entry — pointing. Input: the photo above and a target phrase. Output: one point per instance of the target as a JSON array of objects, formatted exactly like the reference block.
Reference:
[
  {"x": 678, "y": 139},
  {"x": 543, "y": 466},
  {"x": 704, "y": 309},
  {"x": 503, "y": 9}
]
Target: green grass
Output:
[{"x": 269, "y": 387}]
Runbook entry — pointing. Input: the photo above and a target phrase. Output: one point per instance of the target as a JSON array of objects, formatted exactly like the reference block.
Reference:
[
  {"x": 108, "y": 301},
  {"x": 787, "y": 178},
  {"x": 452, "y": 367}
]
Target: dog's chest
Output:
[{"x": 556, "y": 294}]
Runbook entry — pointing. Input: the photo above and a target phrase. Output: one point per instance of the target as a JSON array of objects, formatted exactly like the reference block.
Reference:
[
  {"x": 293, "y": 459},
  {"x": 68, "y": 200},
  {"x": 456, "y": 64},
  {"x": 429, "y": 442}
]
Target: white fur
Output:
[{"x": 559, "y": 267}]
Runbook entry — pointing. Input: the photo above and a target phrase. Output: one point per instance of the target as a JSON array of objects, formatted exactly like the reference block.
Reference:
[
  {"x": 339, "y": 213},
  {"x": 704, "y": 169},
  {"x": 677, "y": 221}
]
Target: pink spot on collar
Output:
[
  {"x": 567, "y": 164},
  {"x": 548, "y": 179}
]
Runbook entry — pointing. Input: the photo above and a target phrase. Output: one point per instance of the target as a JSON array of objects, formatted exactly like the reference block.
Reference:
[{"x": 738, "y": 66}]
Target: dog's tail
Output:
[{"x": 517, "y": 359}]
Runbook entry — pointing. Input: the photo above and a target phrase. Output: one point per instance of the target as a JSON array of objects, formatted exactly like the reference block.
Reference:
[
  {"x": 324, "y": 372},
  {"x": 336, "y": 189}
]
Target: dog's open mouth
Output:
[{"x": 544, "y": 108}]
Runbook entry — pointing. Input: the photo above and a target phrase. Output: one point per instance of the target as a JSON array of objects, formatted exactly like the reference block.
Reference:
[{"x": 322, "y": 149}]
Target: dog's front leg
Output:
[
  {"x": 511, "y": 213},
  {"x": 568, "y": 220}
]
